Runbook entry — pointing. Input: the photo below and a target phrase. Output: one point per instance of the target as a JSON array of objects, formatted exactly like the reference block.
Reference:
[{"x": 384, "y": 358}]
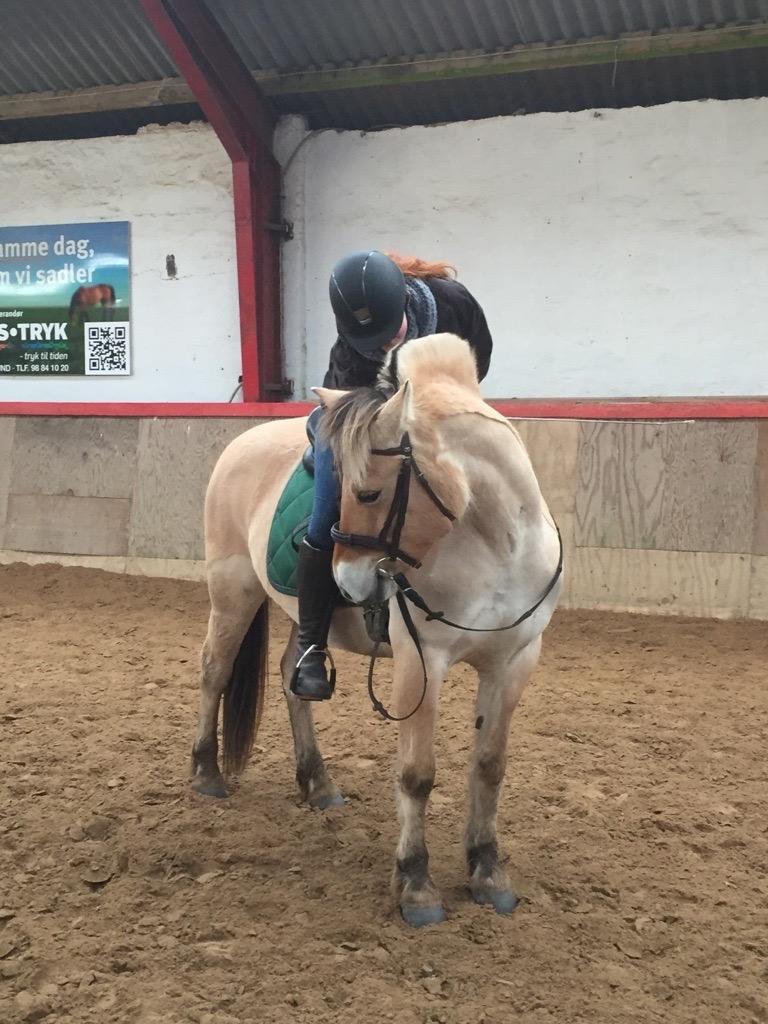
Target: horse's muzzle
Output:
[{"x": 361, "y": 583}]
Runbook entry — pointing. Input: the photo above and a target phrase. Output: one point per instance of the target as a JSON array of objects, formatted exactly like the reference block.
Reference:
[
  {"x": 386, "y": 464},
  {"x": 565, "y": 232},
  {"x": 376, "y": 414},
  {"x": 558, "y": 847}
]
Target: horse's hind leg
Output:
[
  {"x": 499, "y": 690},
  {"x": 316, "y": 785},
  {"x": 236, "y": 596}
]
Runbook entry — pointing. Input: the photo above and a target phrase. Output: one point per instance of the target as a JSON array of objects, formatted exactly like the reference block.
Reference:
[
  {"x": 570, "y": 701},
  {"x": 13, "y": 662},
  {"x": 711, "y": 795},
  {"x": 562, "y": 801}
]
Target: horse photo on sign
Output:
[{"x": 92, "y": 295}]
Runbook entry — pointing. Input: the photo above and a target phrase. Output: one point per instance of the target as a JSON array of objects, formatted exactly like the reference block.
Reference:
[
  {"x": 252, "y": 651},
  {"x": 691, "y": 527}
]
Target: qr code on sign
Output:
[{"x": 107, "y": 350}]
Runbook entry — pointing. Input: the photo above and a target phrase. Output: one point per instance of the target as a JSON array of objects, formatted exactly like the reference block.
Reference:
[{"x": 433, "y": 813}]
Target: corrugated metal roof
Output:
[
  {"x": 70, "y": 44},
  {"x": 271, "y": 34},
  {"x": 73, "y": 44},
  {"x": 715, "y": 76}
]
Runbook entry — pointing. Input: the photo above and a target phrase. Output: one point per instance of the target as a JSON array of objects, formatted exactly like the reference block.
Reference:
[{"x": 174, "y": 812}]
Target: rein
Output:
[{"x": 390, "y": 545}]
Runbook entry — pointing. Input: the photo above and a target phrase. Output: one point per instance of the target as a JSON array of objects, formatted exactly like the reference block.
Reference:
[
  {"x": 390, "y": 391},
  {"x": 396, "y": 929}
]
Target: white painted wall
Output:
[
  {"x": 616, "y": 253},
  {"x": 174, "y": 185},
  {"x": 619, "y": 254}
]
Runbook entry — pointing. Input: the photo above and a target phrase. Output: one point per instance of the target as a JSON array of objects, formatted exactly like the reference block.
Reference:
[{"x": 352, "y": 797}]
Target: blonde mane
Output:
[
  {"x": 440, "y": 371},
  {"x": 438, "y": 358},
  {"x": 347, "y": 426}
]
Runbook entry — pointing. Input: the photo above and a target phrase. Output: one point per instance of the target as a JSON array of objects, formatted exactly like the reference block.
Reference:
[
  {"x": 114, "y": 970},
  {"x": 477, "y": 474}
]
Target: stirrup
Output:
[{"x": 314, "y": 649}]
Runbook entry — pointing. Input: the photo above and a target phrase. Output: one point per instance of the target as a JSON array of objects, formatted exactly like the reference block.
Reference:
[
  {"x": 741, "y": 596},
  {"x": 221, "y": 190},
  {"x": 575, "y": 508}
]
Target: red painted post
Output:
[
  {"x": 236, "y": 110},
  {"x": 248, "y": 280}
]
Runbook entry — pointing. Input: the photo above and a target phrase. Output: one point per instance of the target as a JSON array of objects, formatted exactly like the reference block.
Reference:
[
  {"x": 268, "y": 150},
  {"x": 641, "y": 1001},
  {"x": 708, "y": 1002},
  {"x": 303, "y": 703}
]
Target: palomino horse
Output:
[
  {"x": 432, "y": 478},
  {"x": 91, "y": 295}
]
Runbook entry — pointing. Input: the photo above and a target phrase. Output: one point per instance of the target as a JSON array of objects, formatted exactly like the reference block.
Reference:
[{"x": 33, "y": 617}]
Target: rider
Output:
[{"x": 379, "y": 301}]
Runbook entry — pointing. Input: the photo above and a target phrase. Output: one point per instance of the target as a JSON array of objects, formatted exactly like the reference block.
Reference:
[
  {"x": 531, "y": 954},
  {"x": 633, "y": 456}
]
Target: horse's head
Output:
[{"x": 401, "y": 488}]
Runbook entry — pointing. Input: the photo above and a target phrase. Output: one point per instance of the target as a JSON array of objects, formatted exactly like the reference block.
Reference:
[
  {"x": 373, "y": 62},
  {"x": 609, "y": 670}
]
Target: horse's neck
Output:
[
  {"x": 505, "y": 496},
  {"x": 502, "y": 551}
]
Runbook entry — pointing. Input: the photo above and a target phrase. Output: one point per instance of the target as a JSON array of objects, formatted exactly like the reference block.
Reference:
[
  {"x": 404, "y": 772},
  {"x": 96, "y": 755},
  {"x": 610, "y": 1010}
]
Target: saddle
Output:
[
  {"x": 308, "y": 458},
  {"x": 288, "y": 529},
  {"x": 291, "y": 518}
]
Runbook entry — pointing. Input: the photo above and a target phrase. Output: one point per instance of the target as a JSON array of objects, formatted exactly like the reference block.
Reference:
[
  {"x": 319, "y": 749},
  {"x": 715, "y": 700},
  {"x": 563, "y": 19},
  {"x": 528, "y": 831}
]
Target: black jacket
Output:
[{"x": 458, "y": 312}]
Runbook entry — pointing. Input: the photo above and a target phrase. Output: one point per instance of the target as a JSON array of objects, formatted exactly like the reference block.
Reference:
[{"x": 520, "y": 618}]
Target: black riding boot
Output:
[{"x": 318, "y": 595}]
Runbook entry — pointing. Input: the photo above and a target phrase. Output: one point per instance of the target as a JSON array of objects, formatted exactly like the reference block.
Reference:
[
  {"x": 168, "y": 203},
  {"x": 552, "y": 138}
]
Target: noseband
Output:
[{"x": 388, "y": 539}]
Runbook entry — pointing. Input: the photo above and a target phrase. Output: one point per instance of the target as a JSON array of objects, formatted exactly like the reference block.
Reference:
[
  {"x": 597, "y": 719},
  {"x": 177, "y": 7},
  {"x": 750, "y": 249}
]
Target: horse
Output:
[
  {"x": 435, "y": 481},
  {"x": 90, "y": 295}
]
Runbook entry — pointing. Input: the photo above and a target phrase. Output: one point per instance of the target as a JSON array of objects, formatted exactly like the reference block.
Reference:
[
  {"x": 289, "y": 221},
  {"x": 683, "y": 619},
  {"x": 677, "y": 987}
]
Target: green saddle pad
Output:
[{"x": 289, "y": 526}]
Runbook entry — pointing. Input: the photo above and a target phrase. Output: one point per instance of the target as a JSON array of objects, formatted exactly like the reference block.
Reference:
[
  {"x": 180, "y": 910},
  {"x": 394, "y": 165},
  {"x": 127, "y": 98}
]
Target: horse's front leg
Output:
[
  {"x": 420, "y": 902},
  {"x": 502, "y": 682}
]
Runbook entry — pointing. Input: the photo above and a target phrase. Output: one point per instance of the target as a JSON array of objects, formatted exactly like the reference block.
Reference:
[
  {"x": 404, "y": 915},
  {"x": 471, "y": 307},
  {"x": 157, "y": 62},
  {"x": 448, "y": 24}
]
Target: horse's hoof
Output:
[
  {"x": 207, "y": 785},
  {"x": 325, "y": 801},
  {"x": 503, "y": 901},
  {"x": 420, "y": 917}
]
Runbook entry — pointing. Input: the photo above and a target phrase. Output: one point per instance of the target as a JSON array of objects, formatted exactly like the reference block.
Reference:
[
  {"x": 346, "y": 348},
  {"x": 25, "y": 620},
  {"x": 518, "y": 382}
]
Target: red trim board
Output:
[{"x": 522, "y": 408}]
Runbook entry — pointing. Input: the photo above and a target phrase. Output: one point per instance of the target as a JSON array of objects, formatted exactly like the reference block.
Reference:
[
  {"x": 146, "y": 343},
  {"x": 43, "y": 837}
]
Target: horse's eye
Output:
[{"x": 368, "y": 497}]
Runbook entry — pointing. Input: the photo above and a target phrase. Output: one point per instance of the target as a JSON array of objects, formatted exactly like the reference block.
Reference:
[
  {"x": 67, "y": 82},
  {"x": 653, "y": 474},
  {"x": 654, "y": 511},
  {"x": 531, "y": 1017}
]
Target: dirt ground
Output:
[{"x": 635, "y": 816}]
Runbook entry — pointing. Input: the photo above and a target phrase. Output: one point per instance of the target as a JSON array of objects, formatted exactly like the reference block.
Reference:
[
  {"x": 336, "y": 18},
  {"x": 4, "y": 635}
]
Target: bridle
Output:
[
  {"x": 398, "y": 510},
  {"x": 388, "y": 541}
]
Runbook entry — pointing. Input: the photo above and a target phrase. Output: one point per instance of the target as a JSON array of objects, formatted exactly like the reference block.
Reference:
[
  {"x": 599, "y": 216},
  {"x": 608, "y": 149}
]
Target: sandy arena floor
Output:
[{"x": 635, "y": 817}]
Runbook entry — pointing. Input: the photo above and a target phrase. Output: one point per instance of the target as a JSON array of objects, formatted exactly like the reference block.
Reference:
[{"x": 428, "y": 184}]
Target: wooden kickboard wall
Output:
[{"x": 662, "y": 518}]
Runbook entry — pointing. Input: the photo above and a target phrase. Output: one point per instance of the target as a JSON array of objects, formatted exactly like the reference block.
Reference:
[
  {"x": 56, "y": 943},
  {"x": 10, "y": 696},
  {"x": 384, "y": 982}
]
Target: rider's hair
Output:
[{"x": 413, "y": 266}]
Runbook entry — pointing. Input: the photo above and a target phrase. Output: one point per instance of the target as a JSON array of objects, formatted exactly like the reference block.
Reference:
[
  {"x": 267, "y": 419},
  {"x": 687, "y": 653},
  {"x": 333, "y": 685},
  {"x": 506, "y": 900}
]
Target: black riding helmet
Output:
[{"x": 367, "y": 292}]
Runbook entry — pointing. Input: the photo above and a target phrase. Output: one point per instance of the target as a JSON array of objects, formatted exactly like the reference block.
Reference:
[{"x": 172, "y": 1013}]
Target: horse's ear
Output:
[
  {"x": 396, "y": 411},
  {"x": 328, "y": 397}
]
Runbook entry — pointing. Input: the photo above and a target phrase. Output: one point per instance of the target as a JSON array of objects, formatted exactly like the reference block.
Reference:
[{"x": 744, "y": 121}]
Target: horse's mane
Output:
[
  {"x": 438, "y": 357},
  {"x": 347, "y": 426}
]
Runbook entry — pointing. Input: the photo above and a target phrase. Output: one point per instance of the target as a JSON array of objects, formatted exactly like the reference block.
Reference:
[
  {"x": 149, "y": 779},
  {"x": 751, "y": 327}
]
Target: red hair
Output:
[{"x": 412, "y": 266}]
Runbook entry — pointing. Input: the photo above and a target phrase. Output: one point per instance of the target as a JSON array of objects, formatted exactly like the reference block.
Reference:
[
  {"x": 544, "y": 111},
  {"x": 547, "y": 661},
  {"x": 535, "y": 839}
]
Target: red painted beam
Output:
[
  {"x": 534, "y": 409},
  {"x": 243, "y": 121},
  {"x": 256, "y": 190},
  {"x": 222, "y": 65},
  {"x": 213, "y": 100},
  {"x": 249, "y": 284},
  {"x": 635, "y": 408},
  {"x": 192, "y": 410}
]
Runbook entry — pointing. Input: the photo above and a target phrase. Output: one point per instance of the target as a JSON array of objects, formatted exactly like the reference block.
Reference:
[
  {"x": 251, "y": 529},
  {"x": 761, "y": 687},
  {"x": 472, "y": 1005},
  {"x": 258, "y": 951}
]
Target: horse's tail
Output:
[
  {"x": 73, "y": 302},
  {"x": 244, "y": 695},
  {"x": 110, "y": 292}
]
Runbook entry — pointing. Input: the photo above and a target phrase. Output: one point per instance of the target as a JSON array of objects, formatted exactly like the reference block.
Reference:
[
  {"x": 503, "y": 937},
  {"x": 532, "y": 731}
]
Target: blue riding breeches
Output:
[{"x": 325, "y": 506}]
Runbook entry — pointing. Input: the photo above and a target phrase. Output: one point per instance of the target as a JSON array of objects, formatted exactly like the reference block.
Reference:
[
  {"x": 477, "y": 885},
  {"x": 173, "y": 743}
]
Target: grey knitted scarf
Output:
[
  {"x": 420, "y": 309},
  {"x": 421, "y": 314}
]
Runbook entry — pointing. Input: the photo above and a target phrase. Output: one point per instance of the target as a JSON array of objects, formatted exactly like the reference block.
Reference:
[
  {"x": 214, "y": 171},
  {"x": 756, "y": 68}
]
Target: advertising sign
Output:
[{"x": 65, "y": 300}]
